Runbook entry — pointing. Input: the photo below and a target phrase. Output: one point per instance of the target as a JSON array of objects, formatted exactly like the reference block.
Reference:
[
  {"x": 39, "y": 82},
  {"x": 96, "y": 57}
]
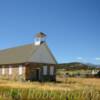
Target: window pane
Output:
[
  {"x": 3, "y": 70},
  {"x": 52, "y": 70},
  {"x": 44, "y": 70},
  {"x": 20, "y": 70},
  {"x": 10, "y": 70}
]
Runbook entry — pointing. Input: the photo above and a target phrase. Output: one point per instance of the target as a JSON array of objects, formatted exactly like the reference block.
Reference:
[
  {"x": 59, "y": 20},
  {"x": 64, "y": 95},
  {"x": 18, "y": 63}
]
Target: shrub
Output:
[{"x": 98, "y": 74}]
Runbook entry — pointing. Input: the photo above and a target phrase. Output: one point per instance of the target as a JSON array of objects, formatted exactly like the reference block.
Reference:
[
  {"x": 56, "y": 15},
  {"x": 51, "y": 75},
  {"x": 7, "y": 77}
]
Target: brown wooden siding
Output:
[
  {"x": 30, "y": 70},
  {"x": 39, "y": 67},
  {"x": 15, "y": 72}
]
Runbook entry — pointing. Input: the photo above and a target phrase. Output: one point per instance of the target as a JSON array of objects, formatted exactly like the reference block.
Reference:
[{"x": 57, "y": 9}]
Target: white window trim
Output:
[
  {"x": 45, "y": 69},
  {"x": 10, "y": 70},
  {"x": 20, "y": 70},
  {"x": 3, "y": 70},
  {"x": 51, "y": 70}
]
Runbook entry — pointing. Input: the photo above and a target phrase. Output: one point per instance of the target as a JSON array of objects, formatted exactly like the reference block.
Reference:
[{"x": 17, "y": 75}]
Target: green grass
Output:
[{"x": 39, "y": 94}]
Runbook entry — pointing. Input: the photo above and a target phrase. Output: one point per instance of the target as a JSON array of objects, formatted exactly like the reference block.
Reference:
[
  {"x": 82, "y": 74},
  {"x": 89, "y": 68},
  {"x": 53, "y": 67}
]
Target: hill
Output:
[{"x": 76, "y": 66}]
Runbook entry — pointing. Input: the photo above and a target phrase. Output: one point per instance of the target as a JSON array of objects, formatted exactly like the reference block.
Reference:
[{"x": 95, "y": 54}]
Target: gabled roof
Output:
[{"x": 20, "y": 54}]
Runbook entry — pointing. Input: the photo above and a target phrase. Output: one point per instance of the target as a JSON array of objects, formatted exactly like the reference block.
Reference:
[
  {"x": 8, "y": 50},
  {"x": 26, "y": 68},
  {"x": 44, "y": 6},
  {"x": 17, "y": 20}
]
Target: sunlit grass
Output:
[{"x": 64, "y": 89}]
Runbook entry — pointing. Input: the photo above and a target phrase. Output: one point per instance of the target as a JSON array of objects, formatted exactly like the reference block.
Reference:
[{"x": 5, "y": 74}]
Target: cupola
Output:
[{"x": 39, "y": 38}]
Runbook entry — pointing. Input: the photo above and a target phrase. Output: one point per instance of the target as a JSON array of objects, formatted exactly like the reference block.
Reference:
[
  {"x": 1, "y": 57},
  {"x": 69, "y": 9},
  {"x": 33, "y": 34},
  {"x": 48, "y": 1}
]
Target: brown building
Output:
[{"x": 29, "y": 62}]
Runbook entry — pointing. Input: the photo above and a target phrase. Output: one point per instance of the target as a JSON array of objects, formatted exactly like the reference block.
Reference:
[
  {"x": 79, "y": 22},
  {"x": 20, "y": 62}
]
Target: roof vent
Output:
[{"x": 39, "y": 38}]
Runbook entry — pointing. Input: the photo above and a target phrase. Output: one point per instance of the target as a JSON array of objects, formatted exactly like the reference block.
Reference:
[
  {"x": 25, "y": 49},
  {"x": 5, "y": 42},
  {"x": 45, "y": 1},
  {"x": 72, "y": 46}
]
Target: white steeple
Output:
[{"x": 39, "y": 38}]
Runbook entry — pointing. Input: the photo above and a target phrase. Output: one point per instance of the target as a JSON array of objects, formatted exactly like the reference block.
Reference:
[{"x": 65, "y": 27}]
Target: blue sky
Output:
[{"x": 72, "y": 26}]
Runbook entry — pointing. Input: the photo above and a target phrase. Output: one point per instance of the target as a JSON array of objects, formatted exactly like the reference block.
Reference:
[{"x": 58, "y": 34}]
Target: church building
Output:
[{"x": 33, "y": 62}]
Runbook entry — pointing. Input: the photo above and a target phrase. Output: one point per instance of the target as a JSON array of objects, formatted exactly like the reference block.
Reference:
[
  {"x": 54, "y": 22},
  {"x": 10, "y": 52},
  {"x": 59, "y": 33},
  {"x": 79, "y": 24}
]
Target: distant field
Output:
[
  {"x": 64, "y": 89},
  {"x": 72, "y": 72}
]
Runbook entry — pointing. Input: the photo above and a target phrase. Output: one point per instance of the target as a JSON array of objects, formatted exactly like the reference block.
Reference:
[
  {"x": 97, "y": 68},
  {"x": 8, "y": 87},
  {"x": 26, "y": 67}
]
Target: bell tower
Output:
[{"x": 39, "y": 38}]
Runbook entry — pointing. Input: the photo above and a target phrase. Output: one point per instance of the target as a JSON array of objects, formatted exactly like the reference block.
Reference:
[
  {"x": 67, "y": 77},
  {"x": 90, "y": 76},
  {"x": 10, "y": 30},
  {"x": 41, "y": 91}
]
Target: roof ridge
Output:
[
  {"x": 50, "y": 53},
  {"x": 30, "y": 55},
  {"x": 33, "y": 51}
]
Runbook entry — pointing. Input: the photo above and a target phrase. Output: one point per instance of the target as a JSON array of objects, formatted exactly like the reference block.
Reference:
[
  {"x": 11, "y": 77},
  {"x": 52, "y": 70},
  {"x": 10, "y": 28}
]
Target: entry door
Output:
[{"x": 34, "y": 75}]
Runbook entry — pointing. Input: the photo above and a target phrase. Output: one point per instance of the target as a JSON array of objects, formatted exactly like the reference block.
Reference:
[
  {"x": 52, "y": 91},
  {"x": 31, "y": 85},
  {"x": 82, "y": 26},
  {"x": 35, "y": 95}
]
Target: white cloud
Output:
[
  {"x": 98, "y": 58},
  {"x": 79, "y": 58}
]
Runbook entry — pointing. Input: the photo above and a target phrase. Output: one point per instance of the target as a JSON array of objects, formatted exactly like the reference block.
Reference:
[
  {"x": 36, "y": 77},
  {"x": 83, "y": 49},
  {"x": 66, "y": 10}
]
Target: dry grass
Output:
[
  {"x": 64, "y": 84},
  {"x": 77, "y": 88}
]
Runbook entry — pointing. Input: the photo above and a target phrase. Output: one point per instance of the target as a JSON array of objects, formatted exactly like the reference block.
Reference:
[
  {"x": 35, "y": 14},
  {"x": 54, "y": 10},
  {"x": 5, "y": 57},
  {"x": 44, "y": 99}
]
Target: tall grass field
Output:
[{"x": 65, "y": 89}]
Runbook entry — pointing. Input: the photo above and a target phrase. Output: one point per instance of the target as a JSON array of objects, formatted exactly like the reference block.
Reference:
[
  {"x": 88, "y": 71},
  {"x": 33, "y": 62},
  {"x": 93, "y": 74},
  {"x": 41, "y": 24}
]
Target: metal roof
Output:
[
  {"x": 17, "y": 55},
  {"x": 22, "y": 54}
]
